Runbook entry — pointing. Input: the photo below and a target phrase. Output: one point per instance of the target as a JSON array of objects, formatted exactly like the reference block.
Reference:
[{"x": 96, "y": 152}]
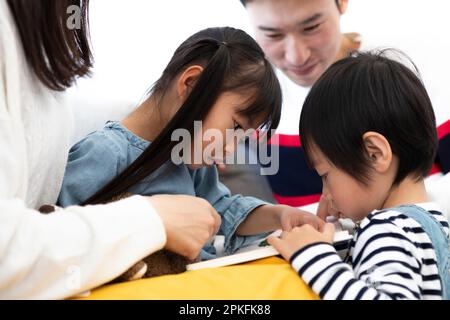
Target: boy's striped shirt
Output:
[{"x": 391, "y": 257}]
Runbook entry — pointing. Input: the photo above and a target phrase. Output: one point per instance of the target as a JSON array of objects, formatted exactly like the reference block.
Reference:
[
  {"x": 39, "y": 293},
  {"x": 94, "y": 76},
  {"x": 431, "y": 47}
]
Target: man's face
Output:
[{"x": 300, "y": 37}]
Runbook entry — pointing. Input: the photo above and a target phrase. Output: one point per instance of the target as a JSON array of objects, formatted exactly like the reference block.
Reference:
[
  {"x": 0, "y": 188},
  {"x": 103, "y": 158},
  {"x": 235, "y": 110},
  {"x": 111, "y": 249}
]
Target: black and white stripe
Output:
[{"x": 392, "y": 258}]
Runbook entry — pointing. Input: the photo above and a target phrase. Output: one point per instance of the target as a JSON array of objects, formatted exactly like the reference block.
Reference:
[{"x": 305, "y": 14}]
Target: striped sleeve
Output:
[{"x": 386, "y": 267}]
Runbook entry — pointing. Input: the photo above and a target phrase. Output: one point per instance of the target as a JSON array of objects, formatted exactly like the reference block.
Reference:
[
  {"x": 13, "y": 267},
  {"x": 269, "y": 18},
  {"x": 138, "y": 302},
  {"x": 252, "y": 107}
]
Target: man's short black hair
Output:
[{"x": 370, "y": 92}]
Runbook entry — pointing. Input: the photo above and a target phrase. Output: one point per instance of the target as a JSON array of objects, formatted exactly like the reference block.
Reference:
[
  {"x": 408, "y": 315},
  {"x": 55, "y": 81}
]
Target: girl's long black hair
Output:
[{"x": 233, "y": 62}]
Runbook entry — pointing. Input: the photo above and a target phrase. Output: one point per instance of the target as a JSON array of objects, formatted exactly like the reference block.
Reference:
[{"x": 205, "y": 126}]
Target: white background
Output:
[{"x": 133, "y": 40}]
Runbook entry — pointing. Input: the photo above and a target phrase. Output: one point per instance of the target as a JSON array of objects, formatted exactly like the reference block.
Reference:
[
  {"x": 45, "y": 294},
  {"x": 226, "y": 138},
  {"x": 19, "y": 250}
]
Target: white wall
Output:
[{"x": 134, "y": 39}]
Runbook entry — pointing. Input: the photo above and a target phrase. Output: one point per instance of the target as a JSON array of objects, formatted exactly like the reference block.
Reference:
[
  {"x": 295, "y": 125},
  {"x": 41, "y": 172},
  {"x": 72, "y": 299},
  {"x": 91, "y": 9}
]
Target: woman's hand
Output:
[
  {"x": 292, "y": 241},
  {"x": 189, "y": 222}
]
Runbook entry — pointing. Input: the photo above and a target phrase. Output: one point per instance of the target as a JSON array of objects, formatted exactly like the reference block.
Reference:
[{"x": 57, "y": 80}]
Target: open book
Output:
[{"x": 261, "y": 250}]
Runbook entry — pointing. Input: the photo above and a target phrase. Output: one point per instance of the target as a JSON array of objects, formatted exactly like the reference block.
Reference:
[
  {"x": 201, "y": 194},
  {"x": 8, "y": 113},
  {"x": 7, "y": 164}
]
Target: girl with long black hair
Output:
[{"x": 219, "y": 77}]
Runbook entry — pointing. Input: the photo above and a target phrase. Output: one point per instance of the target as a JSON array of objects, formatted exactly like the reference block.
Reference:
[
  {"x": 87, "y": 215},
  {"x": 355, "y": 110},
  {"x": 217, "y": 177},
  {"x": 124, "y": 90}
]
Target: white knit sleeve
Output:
[{"x": 72, "y": 250}]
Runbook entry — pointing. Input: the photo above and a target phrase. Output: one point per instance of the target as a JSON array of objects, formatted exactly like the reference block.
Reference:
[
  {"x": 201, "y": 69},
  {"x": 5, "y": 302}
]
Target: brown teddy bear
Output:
[{"x": 160, "y": 263}]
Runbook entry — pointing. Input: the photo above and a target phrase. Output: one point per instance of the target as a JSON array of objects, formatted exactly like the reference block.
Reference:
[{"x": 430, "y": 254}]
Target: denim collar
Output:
[{"x": 130, "y": 136}]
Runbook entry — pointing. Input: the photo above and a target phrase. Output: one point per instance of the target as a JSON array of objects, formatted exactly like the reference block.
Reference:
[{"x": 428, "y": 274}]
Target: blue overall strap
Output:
[{"x": 439, "y": 239}]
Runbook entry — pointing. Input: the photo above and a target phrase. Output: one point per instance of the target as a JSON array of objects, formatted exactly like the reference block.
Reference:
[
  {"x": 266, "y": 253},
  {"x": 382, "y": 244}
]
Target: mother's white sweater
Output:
[{"x": 78, "y": 248}]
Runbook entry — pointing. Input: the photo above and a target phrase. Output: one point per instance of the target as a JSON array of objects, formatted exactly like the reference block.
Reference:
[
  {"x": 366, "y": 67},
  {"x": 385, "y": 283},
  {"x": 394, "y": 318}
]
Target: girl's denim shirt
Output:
[{"x": 103, "y": 154}]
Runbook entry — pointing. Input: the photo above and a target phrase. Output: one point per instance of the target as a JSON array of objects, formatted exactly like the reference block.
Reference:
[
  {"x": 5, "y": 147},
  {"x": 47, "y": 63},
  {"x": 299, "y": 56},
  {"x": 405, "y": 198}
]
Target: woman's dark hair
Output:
[
  {"x": 57, "y": 54},
  {"x": 233, "y": 62},
  {"x": 370, "y": 92}
]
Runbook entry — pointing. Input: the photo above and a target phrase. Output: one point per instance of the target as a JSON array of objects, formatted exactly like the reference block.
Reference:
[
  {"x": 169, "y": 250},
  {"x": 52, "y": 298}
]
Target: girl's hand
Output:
[
  {"x": 274, "y": 217},
  {"x": 292, "y": 241},
  {"x": 221, "y": 167},
  {"x": 291, "y": 217}
]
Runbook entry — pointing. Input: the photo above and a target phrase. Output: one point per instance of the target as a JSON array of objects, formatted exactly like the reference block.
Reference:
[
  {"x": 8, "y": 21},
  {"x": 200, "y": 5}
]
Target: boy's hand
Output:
[
  {"x": 326, "y": 209},
  {"x": 292, "y": 217},
  {"x": 292, "y": 241}
]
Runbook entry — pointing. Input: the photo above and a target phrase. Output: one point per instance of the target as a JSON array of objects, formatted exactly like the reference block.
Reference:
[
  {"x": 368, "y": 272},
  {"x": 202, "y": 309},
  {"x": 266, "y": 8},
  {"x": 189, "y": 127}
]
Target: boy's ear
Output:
[
  {"x": 187, "y": 80},
  {"x": 378, "y": 150}
]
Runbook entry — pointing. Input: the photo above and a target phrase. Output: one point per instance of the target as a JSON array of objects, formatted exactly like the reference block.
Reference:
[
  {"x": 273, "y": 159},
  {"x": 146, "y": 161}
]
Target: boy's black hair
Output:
[{"x": 370, "y": 92}]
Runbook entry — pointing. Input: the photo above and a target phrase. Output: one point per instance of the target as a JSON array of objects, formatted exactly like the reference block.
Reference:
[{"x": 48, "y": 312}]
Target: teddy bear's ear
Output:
[
  {"x": 120, "y": 197},
  {"x": 136, "y": 272},
  {"x": 46, "y": 209}
]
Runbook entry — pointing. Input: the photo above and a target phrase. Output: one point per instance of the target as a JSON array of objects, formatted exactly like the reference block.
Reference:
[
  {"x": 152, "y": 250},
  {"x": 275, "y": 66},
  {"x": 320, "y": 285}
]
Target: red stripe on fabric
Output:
[
  {"x": 286, "y": 140},
  {"x": 435, "y": 169},
  {"x": 297, "y": 201},
  {"x": 289, "y": 140},
  {"x": 443, "y": 129}
]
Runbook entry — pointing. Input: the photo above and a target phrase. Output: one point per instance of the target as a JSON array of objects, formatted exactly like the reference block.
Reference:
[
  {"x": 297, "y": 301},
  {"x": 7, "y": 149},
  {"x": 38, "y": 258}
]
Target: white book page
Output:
[{"x": 255, "y": 251}]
